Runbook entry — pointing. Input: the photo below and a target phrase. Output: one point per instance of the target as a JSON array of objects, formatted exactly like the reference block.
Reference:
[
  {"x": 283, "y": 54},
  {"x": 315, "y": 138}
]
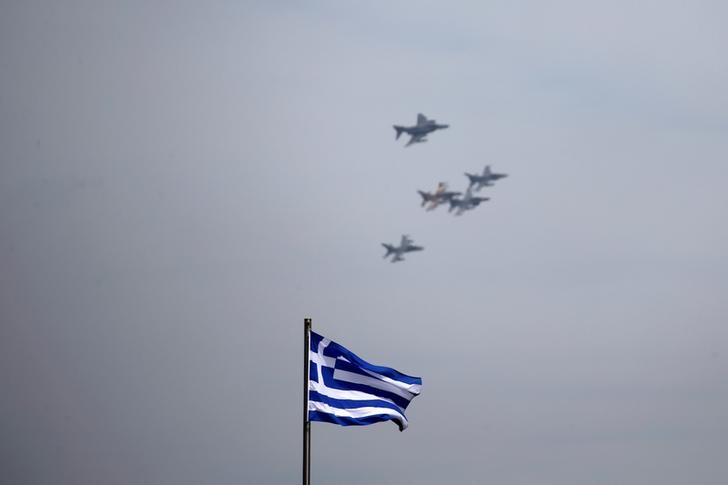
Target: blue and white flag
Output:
[{"x": 344, "y": 389}]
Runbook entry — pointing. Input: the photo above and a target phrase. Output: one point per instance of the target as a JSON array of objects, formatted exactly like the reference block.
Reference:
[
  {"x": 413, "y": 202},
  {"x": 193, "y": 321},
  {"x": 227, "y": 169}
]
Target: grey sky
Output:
[{"x": 181, "y": 183}]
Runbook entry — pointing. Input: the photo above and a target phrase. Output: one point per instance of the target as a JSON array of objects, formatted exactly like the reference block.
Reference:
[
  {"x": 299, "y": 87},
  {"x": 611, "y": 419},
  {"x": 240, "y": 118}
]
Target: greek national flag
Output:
[{"x": 344, "y": 389}]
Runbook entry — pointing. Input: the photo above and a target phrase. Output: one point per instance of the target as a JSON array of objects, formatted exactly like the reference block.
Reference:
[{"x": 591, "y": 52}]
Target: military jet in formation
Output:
[
  {"x": 484, "y": 180},
  {"x": 466, "y": 203},
  {"x": 419, "y": 132},
  {"x": 405, "y": 246},
  {"x": 440, "y": 196}
]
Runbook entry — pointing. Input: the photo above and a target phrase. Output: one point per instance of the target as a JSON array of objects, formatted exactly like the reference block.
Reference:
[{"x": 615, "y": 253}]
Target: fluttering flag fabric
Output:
[{"x": 346, "y": 390}]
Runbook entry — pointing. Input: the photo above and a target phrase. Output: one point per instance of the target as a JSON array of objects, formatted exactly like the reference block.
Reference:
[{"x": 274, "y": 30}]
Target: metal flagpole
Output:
[{"x": 306, "y": 422}]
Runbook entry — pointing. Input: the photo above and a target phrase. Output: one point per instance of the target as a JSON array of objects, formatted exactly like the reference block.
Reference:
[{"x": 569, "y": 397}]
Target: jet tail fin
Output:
[
  {"x": 399, "y": 130},
  {"x": 389, "y": 248},
  {"x": 425, "y": 197}
]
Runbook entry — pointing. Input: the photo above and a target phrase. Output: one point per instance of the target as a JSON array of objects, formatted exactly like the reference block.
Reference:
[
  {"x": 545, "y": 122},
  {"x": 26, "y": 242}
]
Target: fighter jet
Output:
[
  {"x": 404, "y": 247},
  {"x": 419, "y": 132},
  {"x": 468, "y": 202},
  {"x": 440, "y": 196},
  {"x": 484, "y": 180}
]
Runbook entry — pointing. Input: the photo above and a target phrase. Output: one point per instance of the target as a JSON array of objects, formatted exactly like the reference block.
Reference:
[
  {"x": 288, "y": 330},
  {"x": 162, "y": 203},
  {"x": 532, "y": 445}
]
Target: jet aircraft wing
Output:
[
  {"x": 419, "y": 138},
  {"x": 421, "y": 119},
  {"x": 434, "y": 204}
]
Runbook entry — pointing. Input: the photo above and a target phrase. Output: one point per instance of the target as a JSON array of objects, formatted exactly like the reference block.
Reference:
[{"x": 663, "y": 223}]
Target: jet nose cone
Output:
[{"x": 445, "y": 126}]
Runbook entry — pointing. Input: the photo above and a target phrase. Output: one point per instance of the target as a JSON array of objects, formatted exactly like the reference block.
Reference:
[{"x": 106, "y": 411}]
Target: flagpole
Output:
[{"x": 306, "y": 422}]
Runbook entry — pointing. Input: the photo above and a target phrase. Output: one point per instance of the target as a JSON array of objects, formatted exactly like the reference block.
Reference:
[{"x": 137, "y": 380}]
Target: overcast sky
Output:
[{"x": 181, "y": 183}]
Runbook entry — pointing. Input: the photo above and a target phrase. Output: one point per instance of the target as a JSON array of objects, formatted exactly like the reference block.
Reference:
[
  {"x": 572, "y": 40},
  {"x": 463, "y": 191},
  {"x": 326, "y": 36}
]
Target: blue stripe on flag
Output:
[
  {"x": 349, "y": 421},
  {"x": 312, "y": 371},
  {"x": 343, "y": 365},
  {"x": 327, "y": 373},
  {"x": 353, "y": 403}
]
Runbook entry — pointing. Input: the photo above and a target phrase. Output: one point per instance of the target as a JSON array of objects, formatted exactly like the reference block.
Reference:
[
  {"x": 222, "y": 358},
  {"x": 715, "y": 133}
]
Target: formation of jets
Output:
[{"x": 457, "y": 201}]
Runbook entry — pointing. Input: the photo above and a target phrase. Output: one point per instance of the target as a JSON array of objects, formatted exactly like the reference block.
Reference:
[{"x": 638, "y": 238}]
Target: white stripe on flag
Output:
[
  {"x": 344, "y": 394},
  {"x": 342, "y": 375},
  {"x": 413, "y": 388},
  {"x": 354, "y": 412}
]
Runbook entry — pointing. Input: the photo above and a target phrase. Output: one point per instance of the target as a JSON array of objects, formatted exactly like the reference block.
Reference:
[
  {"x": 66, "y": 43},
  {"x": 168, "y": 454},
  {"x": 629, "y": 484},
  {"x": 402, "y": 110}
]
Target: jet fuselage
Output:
[
  {"x": 468, "y": 202},
  {"x": 486, "y": 179},
  {"x": 405, "y": 246},
  {"x": 418, "y": 130}
]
